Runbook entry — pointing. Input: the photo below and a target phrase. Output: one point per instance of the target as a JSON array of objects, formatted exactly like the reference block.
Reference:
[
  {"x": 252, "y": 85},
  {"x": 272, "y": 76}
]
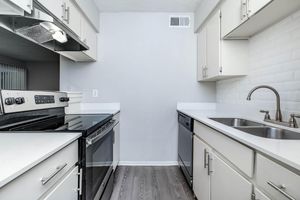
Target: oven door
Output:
[{"x": 98, "y": 162}]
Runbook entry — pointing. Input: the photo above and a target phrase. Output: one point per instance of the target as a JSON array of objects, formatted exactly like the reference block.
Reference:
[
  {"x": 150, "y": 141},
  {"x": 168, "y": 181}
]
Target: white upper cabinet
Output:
[
  {"x": 15, "y": 7},
  {"x": 253, "y": 6},
  {"x": 232, "y": 15},
  {"x": 91, "y": 12},
  {"x": 213, "y": 45},
  {"x": 26, "y": 5},
  {"x": 201, "y": 41},
  {"x": 71, "y": 16},
  {"x": 66, "y": 11},
  {"x": 245, "y": 18},
  {"x": 75, "y": 18},
  {"x": 55, "y": 7},
  {"x": 219, "y": 59},
  {"x": 89, "y": 37}
]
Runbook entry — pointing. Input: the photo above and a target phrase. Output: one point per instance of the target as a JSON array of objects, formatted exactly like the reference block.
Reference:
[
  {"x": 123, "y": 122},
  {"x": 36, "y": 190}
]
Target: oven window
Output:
[{"x": 99, "y": 158}]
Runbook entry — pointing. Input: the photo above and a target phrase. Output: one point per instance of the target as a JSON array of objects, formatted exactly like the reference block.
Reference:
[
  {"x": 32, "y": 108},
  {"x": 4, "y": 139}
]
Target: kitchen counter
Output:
[
  {"x": 286, "y": 151},
  {"x": 20, "y": 152}
]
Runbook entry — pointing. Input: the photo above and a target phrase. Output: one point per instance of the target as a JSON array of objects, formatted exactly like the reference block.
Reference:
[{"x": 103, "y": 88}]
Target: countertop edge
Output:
[{"x": 33, "y": 164}]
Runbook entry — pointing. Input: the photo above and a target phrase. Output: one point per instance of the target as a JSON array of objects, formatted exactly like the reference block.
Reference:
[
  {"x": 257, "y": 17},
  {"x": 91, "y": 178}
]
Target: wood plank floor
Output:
[{"x": 150, "y": 183}]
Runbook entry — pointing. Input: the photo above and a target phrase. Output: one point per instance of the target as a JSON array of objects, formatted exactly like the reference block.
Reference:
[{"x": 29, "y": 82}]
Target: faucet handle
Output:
[
  {"x": 292, "y": 121},
  {"x": 267, "y": 114}
]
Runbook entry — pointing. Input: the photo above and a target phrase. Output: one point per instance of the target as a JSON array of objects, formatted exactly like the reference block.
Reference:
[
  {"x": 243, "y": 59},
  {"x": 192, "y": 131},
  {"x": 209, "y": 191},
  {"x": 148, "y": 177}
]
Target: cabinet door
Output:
[
  {"x": 89, "y": 37},
  {"x": 226, "y": 183},
  {"x": 71, "y": 16},
  {"x": 66, "y": 189},
  {"x": 231, "y": 16},
  {"x": 54, "y": 6},
  {"x": 26, "y": 5},
  {"x": 213, "y": 45},
  {"x": 74, "y": 18},
  {"x": 201, "y": 41},
  {"x": 116, "y": 156},
  {"x": 260, "y": 196},
  {"x": 255, "y": 5},
  {"x": 201, "y": 179}
]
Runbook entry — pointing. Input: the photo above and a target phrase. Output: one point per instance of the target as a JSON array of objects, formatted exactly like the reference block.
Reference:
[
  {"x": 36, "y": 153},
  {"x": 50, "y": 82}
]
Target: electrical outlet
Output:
[{"x": 95, "y": 93}]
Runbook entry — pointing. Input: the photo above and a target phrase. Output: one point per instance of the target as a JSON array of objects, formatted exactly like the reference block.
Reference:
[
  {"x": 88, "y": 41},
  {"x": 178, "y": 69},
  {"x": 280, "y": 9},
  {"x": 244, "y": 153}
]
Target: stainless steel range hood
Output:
[{"x": 43, "y": 29}]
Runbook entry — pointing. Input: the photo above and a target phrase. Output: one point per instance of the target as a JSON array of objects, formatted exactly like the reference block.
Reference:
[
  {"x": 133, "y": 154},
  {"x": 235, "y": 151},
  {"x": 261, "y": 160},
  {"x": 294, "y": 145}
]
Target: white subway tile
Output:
[{"x": 274, "y": 58}]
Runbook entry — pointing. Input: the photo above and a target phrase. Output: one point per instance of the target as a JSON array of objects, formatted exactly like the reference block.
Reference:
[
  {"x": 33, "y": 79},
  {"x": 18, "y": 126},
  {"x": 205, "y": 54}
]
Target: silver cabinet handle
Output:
[
  {"x": 205, "y": 158},
  {"x": 45, "y": 180},
  {"x": 65, "y": 13},
  {"x": 80, "y": 182},
  {"x": 209, "y": 169},
  {"x": 281, "y": 190}
]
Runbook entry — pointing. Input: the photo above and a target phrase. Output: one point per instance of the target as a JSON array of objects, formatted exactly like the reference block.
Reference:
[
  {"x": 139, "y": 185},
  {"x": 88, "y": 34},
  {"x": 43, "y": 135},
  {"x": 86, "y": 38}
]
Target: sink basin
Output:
[
  {"x": 271, "y": 132},
  {"x": 236, "y": 122}
]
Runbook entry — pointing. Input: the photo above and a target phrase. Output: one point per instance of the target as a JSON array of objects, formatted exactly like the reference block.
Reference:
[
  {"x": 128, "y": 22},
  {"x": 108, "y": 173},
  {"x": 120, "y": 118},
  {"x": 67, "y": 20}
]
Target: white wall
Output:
[
  {"x": 148, "y": 68},
  {"x": 274, "y": 61}
]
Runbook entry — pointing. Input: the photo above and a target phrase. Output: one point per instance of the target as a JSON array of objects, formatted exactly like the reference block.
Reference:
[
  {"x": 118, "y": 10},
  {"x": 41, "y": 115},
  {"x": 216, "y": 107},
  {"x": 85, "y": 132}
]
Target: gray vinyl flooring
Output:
[{"x": 150, "y": 183}]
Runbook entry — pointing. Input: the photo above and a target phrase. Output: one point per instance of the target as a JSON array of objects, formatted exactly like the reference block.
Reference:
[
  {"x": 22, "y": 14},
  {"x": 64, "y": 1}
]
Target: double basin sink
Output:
[{"x": 258, "y": 129}]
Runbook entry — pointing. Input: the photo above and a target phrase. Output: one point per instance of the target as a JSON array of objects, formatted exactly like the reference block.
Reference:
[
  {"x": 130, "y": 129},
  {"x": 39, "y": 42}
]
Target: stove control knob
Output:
[
  {"x": 20, "y": 100},
  {"x": 64, "y": 99},
  {"x": 9, "y": 101}
]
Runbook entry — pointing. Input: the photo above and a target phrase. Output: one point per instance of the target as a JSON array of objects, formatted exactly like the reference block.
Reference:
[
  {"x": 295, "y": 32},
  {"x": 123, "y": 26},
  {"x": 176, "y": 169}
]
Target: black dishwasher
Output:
[{"x": 185, "y": 146}]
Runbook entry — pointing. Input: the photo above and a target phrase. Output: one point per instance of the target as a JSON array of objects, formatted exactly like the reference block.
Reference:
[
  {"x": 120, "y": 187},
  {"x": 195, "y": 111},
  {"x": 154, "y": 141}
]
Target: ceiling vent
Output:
[{"x": 180, "y": 21}]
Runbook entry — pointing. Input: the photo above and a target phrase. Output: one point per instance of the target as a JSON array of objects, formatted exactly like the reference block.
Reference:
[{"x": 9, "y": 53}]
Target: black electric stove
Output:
[
  {"x": 40, "y": 111},
  {"x": 61, "y": 123}
]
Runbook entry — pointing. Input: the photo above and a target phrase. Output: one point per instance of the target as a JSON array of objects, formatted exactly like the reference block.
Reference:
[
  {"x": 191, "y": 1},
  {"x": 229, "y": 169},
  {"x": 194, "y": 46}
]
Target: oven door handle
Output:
[{"x": 92, "y": 140}]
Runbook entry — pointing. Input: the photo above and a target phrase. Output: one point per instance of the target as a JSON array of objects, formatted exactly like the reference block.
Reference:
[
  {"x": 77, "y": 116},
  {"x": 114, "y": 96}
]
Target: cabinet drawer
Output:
[
  {"x": 30, "y": 183},
  {"x": 279, "y": 182},
  {"x": 66, "y": 189},
  {"x": 238, "y": 154}
]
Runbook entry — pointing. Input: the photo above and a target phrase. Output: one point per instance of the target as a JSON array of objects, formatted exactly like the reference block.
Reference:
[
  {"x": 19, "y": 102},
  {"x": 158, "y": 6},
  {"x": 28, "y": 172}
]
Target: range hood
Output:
[{"x": 43, "y": 29}]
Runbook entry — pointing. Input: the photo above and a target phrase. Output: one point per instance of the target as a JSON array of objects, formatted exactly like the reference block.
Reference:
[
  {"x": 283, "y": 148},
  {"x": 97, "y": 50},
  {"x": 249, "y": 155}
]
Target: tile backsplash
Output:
[{"x": 274, "y": 60}]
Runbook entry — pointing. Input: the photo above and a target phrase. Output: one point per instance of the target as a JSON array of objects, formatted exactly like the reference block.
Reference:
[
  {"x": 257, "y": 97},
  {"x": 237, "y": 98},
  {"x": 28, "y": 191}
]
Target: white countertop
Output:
[
  {"x": 96, "y": 108},
  {"x": 20, "y": 152},
  {"x": 286, "y": 151}
]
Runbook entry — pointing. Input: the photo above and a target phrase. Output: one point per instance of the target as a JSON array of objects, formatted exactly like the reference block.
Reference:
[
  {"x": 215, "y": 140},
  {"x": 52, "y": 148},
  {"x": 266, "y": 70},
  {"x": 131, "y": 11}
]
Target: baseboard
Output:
[{"x": 148, "y": 163}]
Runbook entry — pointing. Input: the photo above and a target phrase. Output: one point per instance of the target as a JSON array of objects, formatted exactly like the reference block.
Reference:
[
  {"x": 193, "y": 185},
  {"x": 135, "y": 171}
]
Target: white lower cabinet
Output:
[
  {"x": 279, "y": 182},
  {"x": 226, "y": 183},
  {"x": 259, "y": 195},
  {"x": 43, "y": 177},
  {"x": 201, "y": 179},
  {"x": 65, "y": 189},
  {"x": 213, "y": 179}
]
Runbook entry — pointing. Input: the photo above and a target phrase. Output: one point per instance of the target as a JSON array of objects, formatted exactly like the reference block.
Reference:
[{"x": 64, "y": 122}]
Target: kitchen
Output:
[{"x": 188, "y": 99}]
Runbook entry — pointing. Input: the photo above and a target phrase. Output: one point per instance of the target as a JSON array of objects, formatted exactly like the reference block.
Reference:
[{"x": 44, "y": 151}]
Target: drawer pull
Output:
[
  {"x": 205, "y": 158},
  {"x": 45, "y": 180},
  {"x": 281, "y": 190}
]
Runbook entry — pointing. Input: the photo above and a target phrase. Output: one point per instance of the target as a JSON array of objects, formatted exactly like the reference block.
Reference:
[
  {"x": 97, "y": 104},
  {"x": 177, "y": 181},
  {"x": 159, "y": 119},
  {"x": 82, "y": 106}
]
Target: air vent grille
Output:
[{"x": 180, "y": 21}]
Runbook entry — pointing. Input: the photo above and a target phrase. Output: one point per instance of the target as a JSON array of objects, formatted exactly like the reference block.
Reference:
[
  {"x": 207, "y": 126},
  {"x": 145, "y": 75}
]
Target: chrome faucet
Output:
[{"x": 278, "y": 116}]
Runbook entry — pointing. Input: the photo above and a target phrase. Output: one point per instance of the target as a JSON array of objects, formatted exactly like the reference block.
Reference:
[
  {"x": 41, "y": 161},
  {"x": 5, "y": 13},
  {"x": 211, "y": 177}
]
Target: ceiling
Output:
[{"x": 147, "y": 5}]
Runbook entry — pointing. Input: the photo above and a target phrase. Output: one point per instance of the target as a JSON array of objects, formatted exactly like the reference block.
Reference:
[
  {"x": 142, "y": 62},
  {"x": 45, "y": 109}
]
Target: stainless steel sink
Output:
[
  {"x": 271, "y": 132},
  {"x": 236, "y": 122}
]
